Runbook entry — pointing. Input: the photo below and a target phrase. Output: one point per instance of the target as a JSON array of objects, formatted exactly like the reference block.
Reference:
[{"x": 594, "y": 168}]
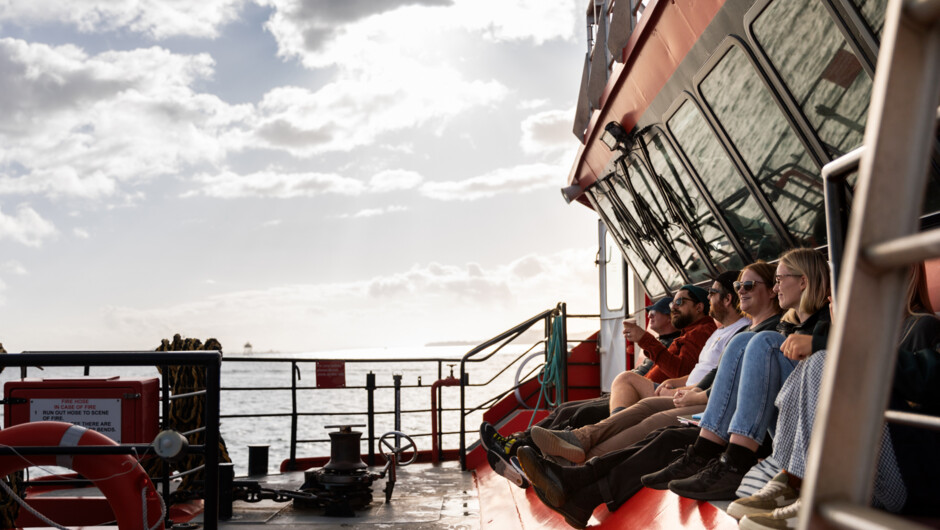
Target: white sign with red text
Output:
[{"x": 102, "y": 415}]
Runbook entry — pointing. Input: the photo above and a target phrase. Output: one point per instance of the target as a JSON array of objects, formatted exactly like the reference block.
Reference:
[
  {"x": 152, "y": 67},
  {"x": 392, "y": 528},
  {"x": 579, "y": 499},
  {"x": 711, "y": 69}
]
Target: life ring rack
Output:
[{"x": 124, "y": 483}]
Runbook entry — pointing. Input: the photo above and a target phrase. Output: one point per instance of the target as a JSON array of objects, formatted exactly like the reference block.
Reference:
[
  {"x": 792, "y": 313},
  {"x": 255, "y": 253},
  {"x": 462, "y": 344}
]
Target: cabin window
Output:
[
  {"x": 822, "y": 73},
  {"x": 724, "y": 183},
  {"x": 615, "y": 223},
  {"x": 645, "y": 232},
  {"x": 659, "y": 220},
  {"x": 677, "y": 184},
  {"x": 613, "y": 266},
  {"x": 770, "y": 148},
  {"x": 873, "y": 11}
]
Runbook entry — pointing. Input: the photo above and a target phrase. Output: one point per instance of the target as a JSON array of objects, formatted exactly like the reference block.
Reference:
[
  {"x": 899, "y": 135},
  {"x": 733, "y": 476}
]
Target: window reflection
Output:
[
  {"x": 724, "y": 183},
  {"x": 688, "y": 201},
  {"x": 817, "y": 65},
  {"x": 659, "y": 220},
  {"x": 873, "y": 11},
  {"x": 616, "y": 226},
  {"x": 770, "y": 148},
  {"x": 644, "y": 231}
]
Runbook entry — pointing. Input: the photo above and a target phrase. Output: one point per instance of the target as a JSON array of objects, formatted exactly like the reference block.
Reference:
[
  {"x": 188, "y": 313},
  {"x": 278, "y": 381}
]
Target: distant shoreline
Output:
[{"x": 452, "y": 343}]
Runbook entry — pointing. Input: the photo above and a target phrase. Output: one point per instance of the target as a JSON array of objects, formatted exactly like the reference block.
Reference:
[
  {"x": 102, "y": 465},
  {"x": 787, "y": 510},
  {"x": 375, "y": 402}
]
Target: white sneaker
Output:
[{"x": 779, "y": 519}]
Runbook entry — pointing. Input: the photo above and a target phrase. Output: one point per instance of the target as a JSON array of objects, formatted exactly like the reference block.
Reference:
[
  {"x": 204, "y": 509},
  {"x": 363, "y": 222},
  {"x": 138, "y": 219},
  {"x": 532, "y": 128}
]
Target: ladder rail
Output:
[{"x": 862, "y": 348}]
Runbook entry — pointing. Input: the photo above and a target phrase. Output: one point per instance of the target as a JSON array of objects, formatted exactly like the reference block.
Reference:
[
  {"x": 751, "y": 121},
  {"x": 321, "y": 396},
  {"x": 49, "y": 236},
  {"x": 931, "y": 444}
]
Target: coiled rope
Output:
[{"x": 550, "y": 374}]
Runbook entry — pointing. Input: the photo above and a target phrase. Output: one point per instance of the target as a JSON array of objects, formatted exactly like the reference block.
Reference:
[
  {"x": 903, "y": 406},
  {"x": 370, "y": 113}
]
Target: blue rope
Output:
[{"x": 550, "y": 374}]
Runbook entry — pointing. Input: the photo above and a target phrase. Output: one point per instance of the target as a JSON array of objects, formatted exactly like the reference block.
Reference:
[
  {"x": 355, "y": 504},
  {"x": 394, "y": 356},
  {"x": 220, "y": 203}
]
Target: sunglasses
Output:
[
  {"x": 677, "y": 302},
  {"x": 746, "y": 286},
  {"x": 712, "y": 290},
  {"x": 778, "y": 277}
]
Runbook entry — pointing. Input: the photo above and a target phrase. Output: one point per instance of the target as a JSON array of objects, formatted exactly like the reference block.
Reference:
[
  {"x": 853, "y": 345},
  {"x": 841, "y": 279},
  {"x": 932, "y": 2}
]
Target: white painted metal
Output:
[
  {"x": 862, "y": 343},
  {"x": 611, "y": 347}
]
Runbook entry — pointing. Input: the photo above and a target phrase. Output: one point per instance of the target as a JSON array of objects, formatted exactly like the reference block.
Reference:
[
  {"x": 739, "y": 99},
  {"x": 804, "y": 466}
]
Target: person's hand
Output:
[
  {"x": 632, "y": 332},
  {"x": 689, "y": 397},
  {"x": 663, "y": 390},
  {"x": 797, "y": 347}
]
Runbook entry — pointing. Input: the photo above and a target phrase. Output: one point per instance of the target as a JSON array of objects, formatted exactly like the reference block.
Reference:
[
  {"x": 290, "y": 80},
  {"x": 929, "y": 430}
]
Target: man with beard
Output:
[{"x": 689, "y": 314}]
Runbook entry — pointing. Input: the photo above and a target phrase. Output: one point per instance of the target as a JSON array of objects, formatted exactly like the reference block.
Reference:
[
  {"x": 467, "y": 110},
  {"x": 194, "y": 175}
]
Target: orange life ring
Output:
[{"x": 119, "y": 477}]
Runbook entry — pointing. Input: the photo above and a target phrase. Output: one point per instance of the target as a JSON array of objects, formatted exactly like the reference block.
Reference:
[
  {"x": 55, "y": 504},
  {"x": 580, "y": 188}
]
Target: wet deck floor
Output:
[{"x": 425, "y": 497}]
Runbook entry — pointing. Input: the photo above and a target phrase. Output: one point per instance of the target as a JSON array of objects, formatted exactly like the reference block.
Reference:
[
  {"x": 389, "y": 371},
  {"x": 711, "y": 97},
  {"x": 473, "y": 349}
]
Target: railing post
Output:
[
  {"x": 292, "y": 464},
  {"x": 397, "y": 379},
  {"x": 440, "y": 412},
  {"x": 462, "y": 452},
  {"x": 213, "y": 385},
  {"x": 370, "y": 391},
  {"x": 165, "y": 387},
  {"x": 563, "y": 350}
]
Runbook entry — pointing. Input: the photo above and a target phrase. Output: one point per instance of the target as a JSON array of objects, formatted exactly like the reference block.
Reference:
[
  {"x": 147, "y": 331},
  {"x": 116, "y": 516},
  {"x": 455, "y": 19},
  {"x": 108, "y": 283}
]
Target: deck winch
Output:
[{"x": 344, "y": 485}]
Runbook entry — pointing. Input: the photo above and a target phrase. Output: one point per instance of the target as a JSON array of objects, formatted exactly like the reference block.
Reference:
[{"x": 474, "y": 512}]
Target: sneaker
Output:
[
  {"x": 779, "y": 519},
  {"x": 558, "y": 443},
  {"x": 503, "y": 467},
  {"x": 777, "y": 493},
  {"x": 715, "y": 482},
  {"x": 685, "y": 466},
  {"x": 493, "y": 441}
]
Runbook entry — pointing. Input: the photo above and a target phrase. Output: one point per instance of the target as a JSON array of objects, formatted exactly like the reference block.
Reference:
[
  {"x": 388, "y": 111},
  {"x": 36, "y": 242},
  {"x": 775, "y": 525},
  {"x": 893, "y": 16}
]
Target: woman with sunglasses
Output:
[{"x": 741, "y": 405}]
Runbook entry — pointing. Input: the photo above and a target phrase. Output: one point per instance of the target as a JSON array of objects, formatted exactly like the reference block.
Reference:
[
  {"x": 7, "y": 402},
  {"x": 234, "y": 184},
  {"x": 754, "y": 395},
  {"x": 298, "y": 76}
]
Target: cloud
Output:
[
  {"x": 13, "y": 267},
  {"x": 546, "y": 132},
  {"x": 157, "y": 20},
  {"x": 26, "y": 227},
  {"x": 395, "y": 179},
  {"x": 274, "y": 184},
  {"x": 277, "y": 184},
  {"x": 402, "y": 307},
  {"x": 80, "y": 125},
  {"x": 374, "y": 212},
  {"x": 518, "y": 179},
  {"x": 81, "y": 233}
]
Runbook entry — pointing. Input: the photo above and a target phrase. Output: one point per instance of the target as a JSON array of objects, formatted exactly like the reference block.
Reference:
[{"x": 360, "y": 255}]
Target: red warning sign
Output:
[{"x": 331, "y": 374}]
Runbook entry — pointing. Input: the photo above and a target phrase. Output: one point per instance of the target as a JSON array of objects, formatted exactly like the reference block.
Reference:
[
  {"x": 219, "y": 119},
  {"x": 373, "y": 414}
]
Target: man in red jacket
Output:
[{"x": 689, "y": 314}]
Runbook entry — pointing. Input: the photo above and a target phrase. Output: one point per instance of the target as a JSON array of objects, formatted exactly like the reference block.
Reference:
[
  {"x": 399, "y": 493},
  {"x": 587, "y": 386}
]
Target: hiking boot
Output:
[
  {"x": 544, "y": 475},
  {"x": 779, "y": 519},
  {"x": 503, "y": 467},
  {"x": 777, "y": 493},
  {"x": 715, "y": 482},
  {"x": 493, "y": 441},
  {"x": 685, "y": 466},
  {"x": 558, "y": 443},
  {"x": 549, "y": 486}
]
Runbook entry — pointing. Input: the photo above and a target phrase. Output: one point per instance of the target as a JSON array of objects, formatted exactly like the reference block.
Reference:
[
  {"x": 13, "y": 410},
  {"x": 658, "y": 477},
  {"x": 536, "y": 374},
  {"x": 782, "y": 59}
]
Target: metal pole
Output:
[
  {"x": 293, "y": 417},
  {"x": 563, "y": 350},
  {"x": 370, "y": 391},
  {"x": 213, "y": 386},
  {"x": 165, "y": 384},
  {"x": 397, "y": 378}
]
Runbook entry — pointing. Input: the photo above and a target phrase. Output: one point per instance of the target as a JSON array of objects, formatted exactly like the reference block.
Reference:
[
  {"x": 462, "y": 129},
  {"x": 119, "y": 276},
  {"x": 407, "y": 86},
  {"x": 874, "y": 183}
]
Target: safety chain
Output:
[{"x": 253, "y": 492}]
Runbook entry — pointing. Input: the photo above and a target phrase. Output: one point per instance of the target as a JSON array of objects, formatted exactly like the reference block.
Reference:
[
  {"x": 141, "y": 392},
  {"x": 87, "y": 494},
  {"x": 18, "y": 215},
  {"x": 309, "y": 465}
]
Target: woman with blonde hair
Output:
[{"x": 741, "y": 408}]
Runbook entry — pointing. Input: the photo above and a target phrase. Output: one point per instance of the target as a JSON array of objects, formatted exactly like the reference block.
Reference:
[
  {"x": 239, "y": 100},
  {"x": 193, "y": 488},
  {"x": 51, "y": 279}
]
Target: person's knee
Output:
[{"x": 627, "y": 380}]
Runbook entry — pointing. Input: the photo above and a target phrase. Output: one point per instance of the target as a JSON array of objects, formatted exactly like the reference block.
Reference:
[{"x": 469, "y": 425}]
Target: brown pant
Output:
[{"x": 631, "y": 425}]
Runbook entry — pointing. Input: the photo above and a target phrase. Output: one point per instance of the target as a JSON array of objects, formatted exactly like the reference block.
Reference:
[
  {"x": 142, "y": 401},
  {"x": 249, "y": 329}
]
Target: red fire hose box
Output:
[{"x": 125, "y": 410}]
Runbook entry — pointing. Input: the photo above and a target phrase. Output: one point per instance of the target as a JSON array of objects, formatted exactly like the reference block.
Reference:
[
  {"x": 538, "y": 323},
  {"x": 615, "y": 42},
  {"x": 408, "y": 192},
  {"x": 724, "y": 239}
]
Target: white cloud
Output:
[
  {"x": 518, "y": 179},
  {"x": 396, "y": 179},
  {"x": 81, "y": 233},
  {"x": 13, "y": 267},
  {"x": 272, "y": 223},
  {"x": 374, "y": 212},
  {"x": 26, "y": 227},
  {"x": 531, "y": 104},
  {"x": 401, "y": 308},
  {"x": 273, "y": 184},
  {"x": 166, "y": 18},
  {"x": 548, "y": 131},
  {"x": 277, "y": 184},
  {"x": 80, "y": 125}
]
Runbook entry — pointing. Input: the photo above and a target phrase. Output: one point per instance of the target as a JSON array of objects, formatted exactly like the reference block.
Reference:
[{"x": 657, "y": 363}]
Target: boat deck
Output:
[{"x": 441, "y": 496}]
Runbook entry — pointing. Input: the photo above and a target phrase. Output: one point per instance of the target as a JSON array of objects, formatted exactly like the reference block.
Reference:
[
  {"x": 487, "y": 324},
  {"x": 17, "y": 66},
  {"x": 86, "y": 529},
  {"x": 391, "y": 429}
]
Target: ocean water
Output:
[{"x": 347, "y": 406}]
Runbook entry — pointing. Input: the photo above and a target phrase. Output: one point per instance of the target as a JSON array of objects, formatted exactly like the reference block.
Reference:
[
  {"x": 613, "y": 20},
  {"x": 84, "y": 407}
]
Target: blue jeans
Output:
[{"x": 750, "y": 373}]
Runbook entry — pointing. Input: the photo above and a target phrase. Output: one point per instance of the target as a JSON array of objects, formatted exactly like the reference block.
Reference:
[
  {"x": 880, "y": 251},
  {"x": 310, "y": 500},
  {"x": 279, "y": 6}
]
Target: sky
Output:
[{"x": 304, "y": 175}]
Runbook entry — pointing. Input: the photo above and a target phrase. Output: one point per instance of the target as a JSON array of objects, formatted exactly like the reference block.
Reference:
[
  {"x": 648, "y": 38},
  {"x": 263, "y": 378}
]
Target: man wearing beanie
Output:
[{"x": 690, "y": 315}]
